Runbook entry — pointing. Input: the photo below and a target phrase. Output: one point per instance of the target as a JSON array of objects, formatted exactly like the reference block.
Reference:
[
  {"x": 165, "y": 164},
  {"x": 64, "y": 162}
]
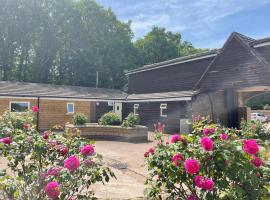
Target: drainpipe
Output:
[
  {"x": 211, "y": 105},
  {"x": 38, "y": 104}
]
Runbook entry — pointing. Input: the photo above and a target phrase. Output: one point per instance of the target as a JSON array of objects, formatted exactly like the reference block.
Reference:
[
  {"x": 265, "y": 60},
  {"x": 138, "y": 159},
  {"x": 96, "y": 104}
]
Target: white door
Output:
[{"x": 118, "y": 109}]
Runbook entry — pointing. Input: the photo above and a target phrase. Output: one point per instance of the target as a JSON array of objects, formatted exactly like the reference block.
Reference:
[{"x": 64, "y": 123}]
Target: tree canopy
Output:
[
  {"x": 68, "y": 42},
  {"x": 159, "y": 45}
]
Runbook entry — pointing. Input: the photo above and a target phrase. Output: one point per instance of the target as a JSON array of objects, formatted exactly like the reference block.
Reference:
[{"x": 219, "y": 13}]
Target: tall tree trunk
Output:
[{"x": 21, "y": 64}]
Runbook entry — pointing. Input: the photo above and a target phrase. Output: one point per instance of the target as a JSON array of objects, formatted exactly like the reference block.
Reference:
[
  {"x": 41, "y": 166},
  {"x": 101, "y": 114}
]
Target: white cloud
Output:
[
  {"x": 197, "y": 18},
  {"x": 179, "y": 15},
  {"x": 144, "y": 22}
]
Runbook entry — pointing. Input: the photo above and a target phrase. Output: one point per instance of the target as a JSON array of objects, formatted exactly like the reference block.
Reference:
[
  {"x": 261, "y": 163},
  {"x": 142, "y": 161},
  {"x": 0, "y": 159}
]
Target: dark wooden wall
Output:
[
  {"x": 149, "y": 114},
  {"x": 100, "y": 109},
  {"x": 264, "y": 51},
  {"x": 236, "y": 67},
  {"x": 173, "y": 78}
]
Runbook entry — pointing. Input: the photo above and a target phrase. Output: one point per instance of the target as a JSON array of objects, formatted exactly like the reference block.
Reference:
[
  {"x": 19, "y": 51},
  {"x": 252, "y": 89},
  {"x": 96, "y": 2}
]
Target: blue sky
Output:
[{"x": 205, "y": 23}]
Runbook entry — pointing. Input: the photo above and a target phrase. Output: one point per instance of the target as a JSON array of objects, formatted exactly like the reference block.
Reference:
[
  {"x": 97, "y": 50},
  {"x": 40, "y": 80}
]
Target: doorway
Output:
[{"x": 118, "y": 109}]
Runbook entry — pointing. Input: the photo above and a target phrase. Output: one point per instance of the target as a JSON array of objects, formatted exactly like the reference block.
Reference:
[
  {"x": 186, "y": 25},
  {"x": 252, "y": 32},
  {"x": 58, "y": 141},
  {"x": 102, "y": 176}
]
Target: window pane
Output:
[
  {"x": 164, "y": 111},
  {"x": 136, "y": 109},
  {"x": 70, "y": 108},
  {"x": 19, "y": 106}
]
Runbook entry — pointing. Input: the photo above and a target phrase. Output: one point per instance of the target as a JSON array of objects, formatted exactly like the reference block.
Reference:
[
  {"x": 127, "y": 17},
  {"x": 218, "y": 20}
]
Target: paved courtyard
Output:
[{"x": 127, "y": 162}]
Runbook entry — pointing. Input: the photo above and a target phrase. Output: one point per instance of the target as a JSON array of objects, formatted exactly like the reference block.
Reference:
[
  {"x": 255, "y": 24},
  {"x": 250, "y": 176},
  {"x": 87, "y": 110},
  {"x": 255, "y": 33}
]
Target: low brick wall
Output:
[{"x": 95, "y": 131}]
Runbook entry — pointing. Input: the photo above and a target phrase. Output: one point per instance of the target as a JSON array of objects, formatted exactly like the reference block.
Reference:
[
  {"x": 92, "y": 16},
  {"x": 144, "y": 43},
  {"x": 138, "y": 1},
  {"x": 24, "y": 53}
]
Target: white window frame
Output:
[
  {"x": 163, "y": 106},
  {"x": 73, "y": 108},
  {"x": 27, "y": 102},
  {"x": 136, "y": 109}
]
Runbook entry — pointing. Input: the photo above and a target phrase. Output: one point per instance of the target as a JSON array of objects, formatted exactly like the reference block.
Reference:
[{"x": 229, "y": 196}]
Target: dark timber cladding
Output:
[
  {"x": 149, "y": 113},
  {"x": 178, "y": 75},
  {"x": 238, "y": 65},
  {"x": 242, "y": 62}
]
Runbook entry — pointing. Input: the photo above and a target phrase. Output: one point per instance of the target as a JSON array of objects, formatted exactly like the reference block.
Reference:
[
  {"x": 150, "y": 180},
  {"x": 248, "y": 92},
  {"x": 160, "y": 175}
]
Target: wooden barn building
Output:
[{"x": 215, "y": 83}]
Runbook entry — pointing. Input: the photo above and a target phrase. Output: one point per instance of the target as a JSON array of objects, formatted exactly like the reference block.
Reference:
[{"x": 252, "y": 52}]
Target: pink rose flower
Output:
[
  {"x": 175, "y": 138},
  {"x": 196, "y": 118},
  {"x": 192, "y": 166},
  {"x": 207, "y": 143},
  {"x": 224, "y": 136},
  {"x": 35, "y": 109},
  {"x": 72, "y": 163},
  {"x": 52, "y": 190},
  {"x": 208, "y": 131},
  {"x": 6, "y": 140},
  {"x": 145, "y": 154},
  {"x": 46, "y": 135},
  {"x": 159, "y": 127},
  {"x": 63, "y": 150},
  {"x": 53, "y": 143},
  {"x": 256, "y": 161},
  {"x": 26, "y": 126},
  {"x": 43, "y": 175},
  {"x": 208, "y": 184},
  {"x": 251, "y": 147},
  {"x": 89, "y": 162},
  {"x": 88, "y": 150},
  {"x": 177, "y": 159},
  {"x": 54, "y": 171},
  {"x": 191, "y": 197},
  {"x": 151, "y": 151},
  {"x": 199, "y": 181}
]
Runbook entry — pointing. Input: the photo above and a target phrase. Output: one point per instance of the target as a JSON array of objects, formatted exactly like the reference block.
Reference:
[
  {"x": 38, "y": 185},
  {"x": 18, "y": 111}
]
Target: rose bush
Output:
[
  {"x": 254, "y": 130},
  {"x": 211, "y": 163},
  {"x": 48, "y": 165}
]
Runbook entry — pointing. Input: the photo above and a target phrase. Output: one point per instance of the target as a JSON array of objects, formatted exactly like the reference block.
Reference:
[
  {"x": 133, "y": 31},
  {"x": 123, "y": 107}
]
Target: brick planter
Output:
[{"x": 95, "y": 131}]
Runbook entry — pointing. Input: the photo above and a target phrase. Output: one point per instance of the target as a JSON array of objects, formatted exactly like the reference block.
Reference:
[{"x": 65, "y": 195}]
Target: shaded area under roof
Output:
[
  {"x": 22, "y": 89},
  {"x": 162, "y": 95}
]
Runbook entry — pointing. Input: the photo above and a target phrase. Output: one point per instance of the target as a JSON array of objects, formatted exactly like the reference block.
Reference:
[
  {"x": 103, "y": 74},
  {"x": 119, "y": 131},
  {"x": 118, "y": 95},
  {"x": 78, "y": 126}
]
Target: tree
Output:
[
  {"x": 68, "y": 42},
  {"x": 160, "y": 45}
]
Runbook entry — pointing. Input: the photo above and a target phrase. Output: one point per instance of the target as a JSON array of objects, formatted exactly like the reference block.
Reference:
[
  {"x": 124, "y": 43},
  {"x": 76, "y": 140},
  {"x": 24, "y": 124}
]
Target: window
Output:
[
  {"x": 70, "y": 108},
  {"x": 163, "y": 110},
  {"x": 19, "y": 106},
  {"x": 136, "y": 109}
]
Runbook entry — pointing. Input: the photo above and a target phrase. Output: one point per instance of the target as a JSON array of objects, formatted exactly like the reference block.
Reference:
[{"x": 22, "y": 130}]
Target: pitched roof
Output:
[
  {"x": 246, "y": 43},
  {"x": 184, "y": 59},
  {"x": 162, "y": 95},
  {"x": 244, "y": 37},
  {"x": 22, "y": 89},
  {"x": 260, "y": 41}
]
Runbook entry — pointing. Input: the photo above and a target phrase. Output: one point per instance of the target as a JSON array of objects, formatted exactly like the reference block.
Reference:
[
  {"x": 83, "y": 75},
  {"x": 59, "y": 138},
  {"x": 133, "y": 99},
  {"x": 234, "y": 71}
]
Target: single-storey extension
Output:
[{"x": 58, "y": 103}]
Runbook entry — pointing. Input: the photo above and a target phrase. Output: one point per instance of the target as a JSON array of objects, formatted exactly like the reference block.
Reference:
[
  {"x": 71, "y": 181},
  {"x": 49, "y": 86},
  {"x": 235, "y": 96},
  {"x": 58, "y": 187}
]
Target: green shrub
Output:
[
  {"x": 17, "y": 119},
  {"x": 131, "y": 120},
  {"x": 110, "y": 118},
  {"x": 254, "y": 129},
  {"x": 79, "y": 119}
]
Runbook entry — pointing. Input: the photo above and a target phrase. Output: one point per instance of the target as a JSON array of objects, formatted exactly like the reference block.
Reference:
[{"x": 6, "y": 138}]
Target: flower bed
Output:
[
  {"x": 96, "y": 131},
  {"x": 48, "y": 165},
  {"x": 213, "y": 162}
]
